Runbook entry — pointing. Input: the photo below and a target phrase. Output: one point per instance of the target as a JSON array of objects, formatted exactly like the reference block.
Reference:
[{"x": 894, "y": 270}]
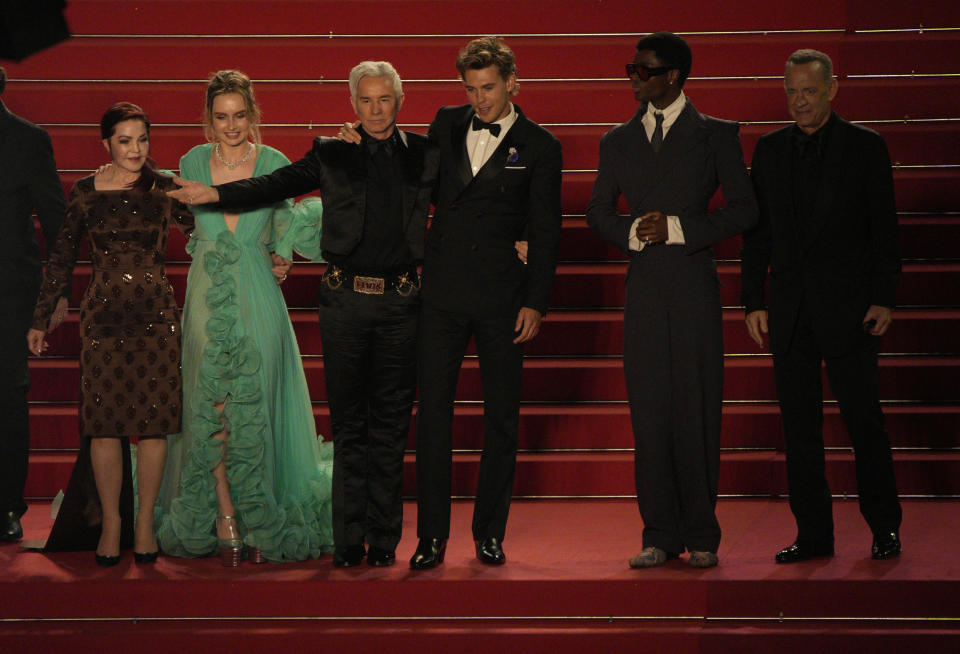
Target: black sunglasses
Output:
[{"x": 645, "y": 72}]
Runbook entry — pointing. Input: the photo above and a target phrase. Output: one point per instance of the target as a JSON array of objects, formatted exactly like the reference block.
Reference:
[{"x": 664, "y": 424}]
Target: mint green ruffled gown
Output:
[{"x": 239, "y": 348}]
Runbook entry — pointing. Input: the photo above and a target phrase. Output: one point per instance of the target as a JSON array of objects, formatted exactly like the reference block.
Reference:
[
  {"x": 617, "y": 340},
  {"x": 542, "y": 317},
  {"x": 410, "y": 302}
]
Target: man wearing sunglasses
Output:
[{"x": 667, "y": 162}]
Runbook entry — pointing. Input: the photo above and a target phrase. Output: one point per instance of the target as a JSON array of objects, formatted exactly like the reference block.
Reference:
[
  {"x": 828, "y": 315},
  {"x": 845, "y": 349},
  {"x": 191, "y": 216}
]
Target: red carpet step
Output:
[
  {"x": 611, "y": 474},
  {"x": 602, "y": 426},
  {"x": 558, "y": 584}
]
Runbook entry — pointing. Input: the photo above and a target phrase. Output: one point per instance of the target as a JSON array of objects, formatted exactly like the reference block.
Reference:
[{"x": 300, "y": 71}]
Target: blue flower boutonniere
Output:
[{"x": 512, "y": 156}]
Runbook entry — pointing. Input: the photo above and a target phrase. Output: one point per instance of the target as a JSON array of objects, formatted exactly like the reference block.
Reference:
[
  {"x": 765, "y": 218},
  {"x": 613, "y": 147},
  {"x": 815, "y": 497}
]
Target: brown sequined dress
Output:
[{"x": 129, "y": 324}]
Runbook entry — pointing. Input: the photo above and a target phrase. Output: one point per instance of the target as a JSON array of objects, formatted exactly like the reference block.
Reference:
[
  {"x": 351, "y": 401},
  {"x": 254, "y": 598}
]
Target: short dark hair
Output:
[
  {"x": 809, "y": 56},
  {"x": 488, "y": 51},
  {"x": 3, "y": 79},
  {"x": 672, "y": 50},
  {"x": 118, "y": 113}
]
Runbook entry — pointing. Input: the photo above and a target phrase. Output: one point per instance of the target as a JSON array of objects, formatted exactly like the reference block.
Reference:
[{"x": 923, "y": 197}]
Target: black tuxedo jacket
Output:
[
  {"x": 848, "y": 257},
  {"x": 699, "y": 154},
  {"x": 470, "y": 263},
  {"x": 28, "y": 181},
  {"x": 336, "y": 168}
]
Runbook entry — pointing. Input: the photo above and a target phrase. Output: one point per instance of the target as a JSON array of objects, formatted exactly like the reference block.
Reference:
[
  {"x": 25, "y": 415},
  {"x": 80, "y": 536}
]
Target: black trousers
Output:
[
  {"x": 16, "y": 312},
  {"x": 673, "y": 363},
  {"x": 853, "y": 379},
  {"x": 369, "y": 353},
  {"x": 443, "y": 341}
]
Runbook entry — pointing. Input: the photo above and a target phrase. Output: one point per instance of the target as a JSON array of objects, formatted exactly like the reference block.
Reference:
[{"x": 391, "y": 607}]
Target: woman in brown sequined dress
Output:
[{"x": 130, "y": 384}]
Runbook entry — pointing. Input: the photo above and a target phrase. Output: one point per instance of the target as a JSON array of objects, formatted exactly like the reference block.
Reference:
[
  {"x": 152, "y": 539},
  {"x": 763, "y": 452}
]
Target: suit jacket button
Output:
[{"x": 474, "y": 247}]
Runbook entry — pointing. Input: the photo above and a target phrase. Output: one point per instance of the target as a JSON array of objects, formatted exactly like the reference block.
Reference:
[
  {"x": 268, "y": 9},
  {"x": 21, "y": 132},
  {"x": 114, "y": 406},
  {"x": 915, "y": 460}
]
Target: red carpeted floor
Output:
[{"x": 566, "y": 575}]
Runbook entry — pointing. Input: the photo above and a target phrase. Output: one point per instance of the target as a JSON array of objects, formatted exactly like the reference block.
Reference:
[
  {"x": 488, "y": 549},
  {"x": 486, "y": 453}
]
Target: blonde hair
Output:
[{"x": 231, "y": 81}]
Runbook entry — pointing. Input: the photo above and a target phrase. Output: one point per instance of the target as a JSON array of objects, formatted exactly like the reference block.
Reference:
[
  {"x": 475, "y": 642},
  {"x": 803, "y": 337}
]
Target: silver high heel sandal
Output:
[{"x": 231, "y": 547}]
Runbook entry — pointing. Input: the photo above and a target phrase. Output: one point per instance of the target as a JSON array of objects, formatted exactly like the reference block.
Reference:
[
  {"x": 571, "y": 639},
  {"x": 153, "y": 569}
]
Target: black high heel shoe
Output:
[
  {"x": 106, "y": 561},
  {"x": 146, "y": 557}
]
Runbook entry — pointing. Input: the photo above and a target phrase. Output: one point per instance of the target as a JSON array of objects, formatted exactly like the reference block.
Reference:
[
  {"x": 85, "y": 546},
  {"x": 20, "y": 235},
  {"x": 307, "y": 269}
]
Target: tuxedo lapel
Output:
[
  {"x": 829, "y": 182},
  {"x": 458, "y": 147},
  {"x": 513, "y": 139},
  {"x": 686, "y": 132},
  {"x": 782, "y": 183},
  {"x": 411, "y": 180}
]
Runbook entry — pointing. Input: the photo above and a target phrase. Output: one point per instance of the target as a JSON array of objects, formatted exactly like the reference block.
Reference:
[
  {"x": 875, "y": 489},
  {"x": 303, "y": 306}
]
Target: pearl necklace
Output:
[{"x": 216, "y": 150}]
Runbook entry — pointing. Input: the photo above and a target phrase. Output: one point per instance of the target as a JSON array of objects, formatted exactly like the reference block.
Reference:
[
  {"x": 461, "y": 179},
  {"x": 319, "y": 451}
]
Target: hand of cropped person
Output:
[{"x": 193, "y": 192}]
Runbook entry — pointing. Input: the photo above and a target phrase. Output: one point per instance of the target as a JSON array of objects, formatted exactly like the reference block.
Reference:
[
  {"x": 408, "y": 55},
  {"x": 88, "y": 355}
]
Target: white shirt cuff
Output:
[
  {"x": 674, "y": 231},
  {"x": 632, "y": 241}
]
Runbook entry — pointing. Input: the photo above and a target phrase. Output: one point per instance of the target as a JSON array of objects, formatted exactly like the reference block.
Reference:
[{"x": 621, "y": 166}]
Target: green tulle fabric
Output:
[{"x": 239, "y": 349}]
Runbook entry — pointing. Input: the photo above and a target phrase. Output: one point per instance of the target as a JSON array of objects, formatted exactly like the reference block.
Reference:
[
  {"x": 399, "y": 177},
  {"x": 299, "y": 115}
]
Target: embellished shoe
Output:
[
  {"x": 231, "y": 547},
  {"x": 651, "y": 557},
  {"x": 703, "y": 559}
]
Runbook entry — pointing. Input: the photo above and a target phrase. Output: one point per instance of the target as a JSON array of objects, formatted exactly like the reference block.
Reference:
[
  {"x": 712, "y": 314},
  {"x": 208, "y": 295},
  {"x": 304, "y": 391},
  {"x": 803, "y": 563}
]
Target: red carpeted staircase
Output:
[{"x": 898, "y": 68}]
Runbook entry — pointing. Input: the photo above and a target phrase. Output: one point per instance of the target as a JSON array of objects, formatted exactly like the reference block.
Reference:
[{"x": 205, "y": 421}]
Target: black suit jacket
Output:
[
  {"x": 28, "y": 181},
  {"x": 470, "y": 263},
  {"x": 699, "y": 154},
  {"x": 336, "y": 168},
  {"x": 848, "y": 258}
]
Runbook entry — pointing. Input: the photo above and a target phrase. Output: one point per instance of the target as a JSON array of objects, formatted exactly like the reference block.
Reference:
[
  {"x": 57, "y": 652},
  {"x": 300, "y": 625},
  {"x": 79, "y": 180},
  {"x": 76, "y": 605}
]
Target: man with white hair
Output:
[{"x": 375, "y": 204}]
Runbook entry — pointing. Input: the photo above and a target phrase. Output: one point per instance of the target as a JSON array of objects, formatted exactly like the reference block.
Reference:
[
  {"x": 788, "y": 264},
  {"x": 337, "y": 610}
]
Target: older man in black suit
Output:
[
  {"x": 667, "y": 162},
  {"x": 828, "y": 233},
  {"x": 28, "y": 182},
  {"x": 498, "y": 181},
  {"x": 375, "y": 203}
]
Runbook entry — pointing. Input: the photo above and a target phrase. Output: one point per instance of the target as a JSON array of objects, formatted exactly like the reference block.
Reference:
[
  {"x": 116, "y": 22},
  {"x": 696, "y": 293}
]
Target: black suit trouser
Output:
[
  {"x": 853, "y": 378},
  {"x": 673, "y": 362},
  {"x": 443, "y": 342},
  {"x": 369, "y": 354},
  {"x": 16, "y": 312}
]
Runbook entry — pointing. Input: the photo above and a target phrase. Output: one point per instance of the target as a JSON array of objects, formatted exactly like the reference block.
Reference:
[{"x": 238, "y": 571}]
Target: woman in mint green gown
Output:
[{"x": 248, "y": 470}]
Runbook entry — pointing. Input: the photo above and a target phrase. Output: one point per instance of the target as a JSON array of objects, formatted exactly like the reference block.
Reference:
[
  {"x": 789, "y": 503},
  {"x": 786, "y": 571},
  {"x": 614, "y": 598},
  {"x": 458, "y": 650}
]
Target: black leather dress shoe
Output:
[
  {"x": 429, "y": 553},
  {"x": 803, "y": 552},
  {"x": 490, "y": 551},
  {"x": 380, "y": 558},
  {"x": 348, "y": 556},
  {"x": 12, "y": 531},
  {"x": 886, "y": 546}
]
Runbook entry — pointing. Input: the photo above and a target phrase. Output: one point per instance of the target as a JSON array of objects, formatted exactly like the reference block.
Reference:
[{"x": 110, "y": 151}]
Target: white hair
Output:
[{"x": 375, "y": 69}]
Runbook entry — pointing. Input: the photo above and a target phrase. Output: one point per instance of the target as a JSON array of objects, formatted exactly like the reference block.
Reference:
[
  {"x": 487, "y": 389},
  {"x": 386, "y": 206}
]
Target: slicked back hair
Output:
[
  {"x": 375, "y": 69},
  {"x": 485, "y": 52}
]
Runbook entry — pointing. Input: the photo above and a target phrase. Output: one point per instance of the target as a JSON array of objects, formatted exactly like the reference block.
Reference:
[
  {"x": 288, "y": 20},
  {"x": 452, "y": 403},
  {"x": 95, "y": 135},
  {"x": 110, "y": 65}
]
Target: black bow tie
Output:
[{"x": 479, "y": 124}]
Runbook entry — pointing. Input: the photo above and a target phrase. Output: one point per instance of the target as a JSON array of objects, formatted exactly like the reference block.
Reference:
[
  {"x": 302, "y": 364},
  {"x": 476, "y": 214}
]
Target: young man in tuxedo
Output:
[
  {"x": 375, "y": 204},
  {"x": 828, "y": 233},
  {"x": 667, "y": 162},
  {"x": 28, "y": 182},
  {"x": 498, "y": 181}
]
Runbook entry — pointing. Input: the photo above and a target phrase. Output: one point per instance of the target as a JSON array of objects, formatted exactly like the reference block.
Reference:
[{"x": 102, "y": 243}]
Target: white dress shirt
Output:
[
  {"x": 481, "y": 143},
  {"x": 649, "y": 122}
]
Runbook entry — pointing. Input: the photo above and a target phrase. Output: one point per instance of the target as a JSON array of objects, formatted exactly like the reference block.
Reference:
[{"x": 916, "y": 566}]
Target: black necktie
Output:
[
  {"x": 809, "y": 146},
  {"x": 375, "y": 147},
  {"x": 657, "y": 139},
  {"x": 479, "y": 124}
]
